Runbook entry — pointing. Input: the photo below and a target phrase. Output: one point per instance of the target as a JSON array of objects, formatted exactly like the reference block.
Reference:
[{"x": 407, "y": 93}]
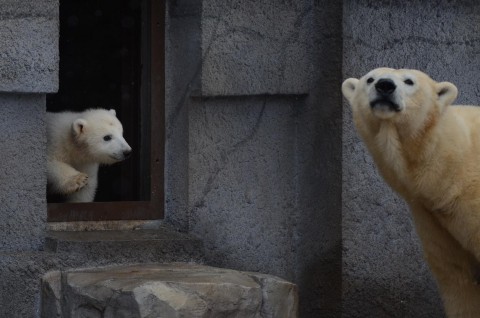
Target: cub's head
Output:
[
  {"x": 390, "y": 94},
  {"x": 100, "y": 134}
]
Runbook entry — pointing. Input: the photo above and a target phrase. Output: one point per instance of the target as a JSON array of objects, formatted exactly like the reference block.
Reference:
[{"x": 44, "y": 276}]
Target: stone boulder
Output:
[{"x": 166, "y": 291}]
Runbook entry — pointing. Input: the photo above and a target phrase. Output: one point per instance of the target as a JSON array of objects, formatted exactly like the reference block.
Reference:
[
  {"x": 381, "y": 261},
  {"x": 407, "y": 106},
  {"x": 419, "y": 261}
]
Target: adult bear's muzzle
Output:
[{"x": 385, "y": 89}]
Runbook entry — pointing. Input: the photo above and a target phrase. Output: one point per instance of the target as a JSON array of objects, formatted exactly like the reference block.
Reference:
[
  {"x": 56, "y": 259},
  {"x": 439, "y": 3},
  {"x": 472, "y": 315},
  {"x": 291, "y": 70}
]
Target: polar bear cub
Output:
[
  {"x": 429, "y": 152},
  {"x": 77, "y": 143}
]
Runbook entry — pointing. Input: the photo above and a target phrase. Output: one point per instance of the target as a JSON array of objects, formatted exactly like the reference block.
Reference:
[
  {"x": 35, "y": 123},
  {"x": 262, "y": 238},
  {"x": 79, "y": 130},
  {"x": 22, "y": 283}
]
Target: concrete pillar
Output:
[
  {"x": 256, "y": 85},
  {"x": 28, "y": 70}
]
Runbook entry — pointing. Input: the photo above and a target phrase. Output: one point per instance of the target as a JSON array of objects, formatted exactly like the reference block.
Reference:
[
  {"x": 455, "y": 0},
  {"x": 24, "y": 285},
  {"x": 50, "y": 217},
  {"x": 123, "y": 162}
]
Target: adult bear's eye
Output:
[
  {"x": 370, "y": 80},
  {"x": 408, "y": 82},
  {"x": 107, "y": 137}
]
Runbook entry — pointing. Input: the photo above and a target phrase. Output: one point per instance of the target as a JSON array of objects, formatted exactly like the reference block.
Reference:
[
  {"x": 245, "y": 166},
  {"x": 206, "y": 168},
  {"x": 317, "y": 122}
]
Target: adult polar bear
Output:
[
  {"x": 429, "y": 152},
  {"x": 77, "y": 143}
]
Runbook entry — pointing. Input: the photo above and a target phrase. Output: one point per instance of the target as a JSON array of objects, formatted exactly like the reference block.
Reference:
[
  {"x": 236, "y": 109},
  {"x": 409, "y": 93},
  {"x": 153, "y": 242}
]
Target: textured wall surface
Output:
[
  {"x": 255, "y": 84},
  {"x": 262, "y": 47},
  {"x": 29, "y": 46},
  {"x": 384, "y": 273},
  {"x": 28, "y": 63},
  {"x": 23, "y": 157},
  {"x": 242, "y": 188},
  {"x": 182, "y": 73},
  {"x": 254, "y": 145}
]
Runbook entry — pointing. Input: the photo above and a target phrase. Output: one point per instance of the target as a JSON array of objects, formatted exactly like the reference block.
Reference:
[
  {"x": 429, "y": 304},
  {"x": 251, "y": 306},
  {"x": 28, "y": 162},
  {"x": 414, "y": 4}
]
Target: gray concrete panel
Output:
[
  {"x": 182, "y": 72},
  {"x": 318, "y": 164},
  {"x": 22, "y": 172},
  {"x": 255, "y": 47},
  {"x": 29, "y": 46},
  {"x": 242, "y": 191}
]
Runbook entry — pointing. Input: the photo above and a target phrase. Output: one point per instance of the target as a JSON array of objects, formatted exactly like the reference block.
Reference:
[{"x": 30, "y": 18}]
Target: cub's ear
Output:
[
  {"x": 446, "y": 93},
  {"x": 348, "y": 88},
  {"x": 78, "y": 126},
  {"x": 112, "y": 111}
]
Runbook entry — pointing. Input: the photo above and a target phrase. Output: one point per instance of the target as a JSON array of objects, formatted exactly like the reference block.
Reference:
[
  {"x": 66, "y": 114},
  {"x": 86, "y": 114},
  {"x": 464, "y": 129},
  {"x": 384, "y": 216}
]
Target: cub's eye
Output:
[
  {"x": 408, "y": 82},
  {"x": 107, "y": 137},
  {"x": 370, "y": 80}
]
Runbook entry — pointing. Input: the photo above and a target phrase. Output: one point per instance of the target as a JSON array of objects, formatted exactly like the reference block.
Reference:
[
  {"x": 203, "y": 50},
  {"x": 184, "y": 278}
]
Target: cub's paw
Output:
[{"x": 76, "y": 183}]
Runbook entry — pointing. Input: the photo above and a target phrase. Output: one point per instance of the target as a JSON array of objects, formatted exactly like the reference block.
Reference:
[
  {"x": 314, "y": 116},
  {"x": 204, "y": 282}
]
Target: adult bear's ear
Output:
[
  {"x": 112, "y": 111},
  {"x": 446, "y": 93},
  {"x": 348, "y": 88},
  {"x": 78, "y": 126}
]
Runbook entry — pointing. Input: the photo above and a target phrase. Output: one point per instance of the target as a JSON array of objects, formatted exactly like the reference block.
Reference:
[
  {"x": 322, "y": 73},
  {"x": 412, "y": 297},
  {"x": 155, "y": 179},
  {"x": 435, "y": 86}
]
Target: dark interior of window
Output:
[
  {"x": 101, "y": 64},
  {"x": 112, "y": 56}
]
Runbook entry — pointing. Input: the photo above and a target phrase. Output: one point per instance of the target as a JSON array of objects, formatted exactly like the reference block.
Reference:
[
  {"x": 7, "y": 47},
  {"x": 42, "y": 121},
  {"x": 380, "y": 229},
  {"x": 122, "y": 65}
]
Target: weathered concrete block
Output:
[
  {"x": 23, "y": 158},
  {"x": 168, "y": 290},
  {"x": 255, "y": 47},
  {"x": 29, "y": 46},
  {"x": 126, "y": 244},
  {"x": 241, "y": 147}
]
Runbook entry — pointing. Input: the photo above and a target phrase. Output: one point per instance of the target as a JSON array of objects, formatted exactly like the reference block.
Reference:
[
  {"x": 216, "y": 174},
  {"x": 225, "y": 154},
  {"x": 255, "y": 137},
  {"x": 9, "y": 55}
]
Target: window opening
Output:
[{"x": 111, "y": 56}]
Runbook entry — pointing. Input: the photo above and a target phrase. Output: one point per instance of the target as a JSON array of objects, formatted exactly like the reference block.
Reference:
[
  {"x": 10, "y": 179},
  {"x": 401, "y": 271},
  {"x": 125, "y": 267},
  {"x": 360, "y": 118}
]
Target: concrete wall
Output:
[
  {"x": 383, "y": 270},
  {"x": 22, "y": 190},
  {"x": 254, "y": 156},
  {"x": 29, "y": 46},
  {"x": 256, "y": 86},
  {"x": 28, "y": 64}
]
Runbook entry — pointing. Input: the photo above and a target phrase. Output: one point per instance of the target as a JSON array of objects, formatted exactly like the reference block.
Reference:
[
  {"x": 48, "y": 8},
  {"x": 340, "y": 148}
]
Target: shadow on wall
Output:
[{"x": 323, "y": 280}]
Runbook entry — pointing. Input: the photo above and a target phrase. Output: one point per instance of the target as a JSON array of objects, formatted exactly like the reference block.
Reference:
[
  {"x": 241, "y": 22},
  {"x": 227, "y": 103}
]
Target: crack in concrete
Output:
[{"x": 225, "y": 157}]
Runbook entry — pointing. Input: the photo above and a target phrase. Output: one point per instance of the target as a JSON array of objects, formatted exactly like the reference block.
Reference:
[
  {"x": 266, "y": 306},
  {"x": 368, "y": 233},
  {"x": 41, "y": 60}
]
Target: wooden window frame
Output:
[{"x": 135, "y": 210}]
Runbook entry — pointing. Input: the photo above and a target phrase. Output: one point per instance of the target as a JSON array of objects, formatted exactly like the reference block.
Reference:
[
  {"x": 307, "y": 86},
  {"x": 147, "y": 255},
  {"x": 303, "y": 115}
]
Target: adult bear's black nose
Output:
[{"x": 385, "y": 86}]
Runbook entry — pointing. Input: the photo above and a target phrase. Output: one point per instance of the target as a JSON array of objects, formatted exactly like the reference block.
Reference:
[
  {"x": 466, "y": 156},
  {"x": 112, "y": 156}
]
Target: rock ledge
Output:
[{"x": 166, "y": 290}]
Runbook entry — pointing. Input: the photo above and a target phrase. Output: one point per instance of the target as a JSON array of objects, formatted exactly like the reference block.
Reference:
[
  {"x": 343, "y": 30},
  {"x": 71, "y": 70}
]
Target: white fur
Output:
[
  {"x": 429, "y": 152},
  {"x": 76, "y": 147}
]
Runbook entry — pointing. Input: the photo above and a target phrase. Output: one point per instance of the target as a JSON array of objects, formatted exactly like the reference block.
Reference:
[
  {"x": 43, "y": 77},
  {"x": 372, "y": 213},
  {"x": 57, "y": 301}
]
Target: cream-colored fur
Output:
[
  {"x": 77, "y": 143},
  {"x": 429, "y": 152}
]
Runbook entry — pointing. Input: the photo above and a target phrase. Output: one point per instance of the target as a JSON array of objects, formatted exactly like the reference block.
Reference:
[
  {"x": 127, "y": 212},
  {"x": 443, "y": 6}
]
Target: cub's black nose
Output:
[
  {"x": 127, "y": 153},
  {"x": 385, "y": 86}
]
